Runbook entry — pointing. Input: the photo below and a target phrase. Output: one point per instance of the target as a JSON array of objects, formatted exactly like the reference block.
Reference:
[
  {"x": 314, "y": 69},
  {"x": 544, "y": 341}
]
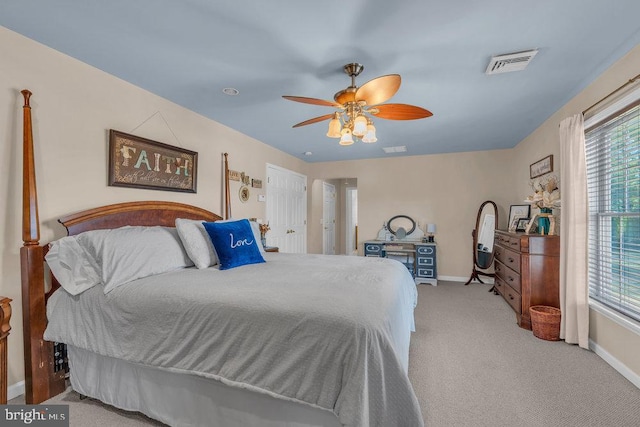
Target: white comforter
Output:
[{"x": 329, "y": 331}]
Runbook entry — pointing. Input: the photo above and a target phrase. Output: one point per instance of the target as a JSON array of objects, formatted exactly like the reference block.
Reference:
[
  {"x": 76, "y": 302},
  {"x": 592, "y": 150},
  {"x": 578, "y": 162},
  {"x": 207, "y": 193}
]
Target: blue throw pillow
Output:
[{"x": 234, "y": 242}]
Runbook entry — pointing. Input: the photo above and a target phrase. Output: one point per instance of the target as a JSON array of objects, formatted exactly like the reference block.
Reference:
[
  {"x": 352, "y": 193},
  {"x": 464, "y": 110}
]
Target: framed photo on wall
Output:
[
  {"x": 142, "y": 163},
  {"x": 541, "y": 167}
]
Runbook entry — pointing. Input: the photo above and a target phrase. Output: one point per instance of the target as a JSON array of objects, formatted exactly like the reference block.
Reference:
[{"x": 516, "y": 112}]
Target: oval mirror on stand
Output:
[{"x": 483, "y": 235}]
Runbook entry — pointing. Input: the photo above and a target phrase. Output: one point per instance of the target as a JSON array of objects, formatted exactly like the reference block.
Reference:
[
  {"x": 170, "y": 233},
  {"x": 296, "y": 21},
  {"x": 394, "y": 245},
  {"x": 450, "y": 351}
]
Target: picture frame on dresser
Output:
[
  {"x": 517, "y": 212},
  {"x": 522, "y": 224}
]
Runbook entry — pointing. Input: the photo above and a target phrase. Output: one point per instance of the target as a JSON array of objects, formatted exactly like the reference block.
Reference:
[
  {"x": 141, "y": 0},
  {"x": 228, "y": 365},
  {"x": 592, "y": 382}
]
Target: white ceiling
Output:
[{"x": 188, "y": 51}]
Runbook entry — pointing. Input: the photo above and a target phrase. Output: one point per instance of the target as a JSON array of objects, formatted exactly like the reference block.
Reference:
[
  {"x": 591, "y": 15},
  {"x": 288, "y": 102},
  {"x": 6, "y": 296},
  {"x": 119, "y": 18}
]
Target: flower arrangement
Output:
[
  {"x": 263, "y": 229},
  {"x": 546, "y": 193}
]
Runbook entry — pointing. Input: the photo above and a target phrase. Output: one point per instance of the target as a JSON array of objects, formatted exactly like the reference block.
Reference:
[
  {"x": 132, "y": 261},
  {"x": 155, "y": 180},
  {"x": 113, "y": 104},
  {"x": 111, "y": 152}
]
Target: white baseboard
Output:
[
  {"x": 487, "y": 280},
  {"x": 615, "y": 364},
  {"x": 15, "y": 390}
]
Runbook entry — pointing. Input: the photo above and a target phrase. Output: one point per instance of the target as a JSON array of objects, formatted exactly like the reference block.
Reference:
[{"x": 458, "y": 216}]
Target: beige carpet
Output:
[{"x": 471, "y": 365}]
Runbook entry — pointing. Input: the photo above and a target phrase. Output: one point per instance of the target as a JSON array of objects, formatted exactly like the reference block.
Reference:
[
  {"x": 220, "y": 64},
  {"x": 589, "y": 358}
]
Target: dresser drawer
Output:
[
  {"x": 513, "y": 298},
  {"x": 508, "y": 257},
  {"x": 509, "y": 276},
  {"x": 499, "y": 285},
  {"x": 511, "y": 242}
]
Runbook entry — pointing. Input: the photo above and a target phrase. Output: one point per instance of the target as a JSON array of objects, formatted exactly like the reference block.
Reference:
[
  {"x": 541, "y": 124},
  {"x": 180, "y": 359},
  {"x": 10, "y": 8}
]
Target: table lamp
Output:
[{"x": 431, "y": 229}]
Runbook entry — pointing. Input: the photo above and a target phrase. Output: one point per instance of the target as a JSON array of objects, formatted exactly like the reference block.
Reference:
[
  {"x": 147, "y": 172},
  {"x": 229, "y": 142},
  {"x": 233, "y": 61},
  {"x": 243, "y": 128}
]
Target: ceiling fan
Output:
[{"x": 357, "y": 105}]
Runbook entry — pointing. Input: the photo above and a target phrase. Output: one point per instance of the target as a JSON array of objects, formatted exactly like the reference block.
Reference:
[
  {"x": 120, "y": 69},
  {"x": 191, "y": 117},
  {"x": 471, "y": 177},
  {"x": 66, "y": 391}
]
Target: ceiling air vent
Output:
[
  {"x": 398, "y": 149},
  {"x": 516, "y": 61}
]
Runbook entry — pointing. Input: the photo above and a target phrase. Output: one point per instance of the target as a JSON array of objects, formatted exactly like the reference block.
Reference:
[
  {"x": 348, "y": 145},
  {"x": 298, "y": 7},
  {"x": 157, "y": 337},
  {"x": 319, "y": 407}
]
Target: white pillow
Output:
[
  {"x": 117, "y": 256},
  {"x": 196, "y": 242},
  {"x": 74, "y": 269},
  {"x": 198, "y": 245}
]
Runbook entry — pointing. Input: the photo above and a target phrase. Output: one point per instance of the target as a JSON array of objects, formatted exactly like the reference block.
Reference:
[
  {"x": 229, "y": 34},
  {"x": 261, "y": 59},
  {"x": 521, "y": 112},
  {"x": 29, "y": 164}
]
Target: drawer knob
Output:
[
  {"x": 511, "y": 259},
  {"x": 510, "y": 297}
]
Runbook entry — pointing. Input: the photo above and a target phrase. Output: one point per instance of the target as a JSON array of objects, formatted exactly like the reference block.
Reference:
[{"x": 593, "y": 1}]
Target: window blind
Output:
[{"x": 613, "y": 181}]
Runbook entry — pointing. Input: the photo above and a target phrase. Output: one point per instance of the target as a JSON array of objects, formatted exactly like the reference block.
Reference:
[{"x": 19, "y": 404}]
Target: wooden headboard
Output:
[
  {"x": 41, "y": 380},
  {"x": 146, "y": 213}
]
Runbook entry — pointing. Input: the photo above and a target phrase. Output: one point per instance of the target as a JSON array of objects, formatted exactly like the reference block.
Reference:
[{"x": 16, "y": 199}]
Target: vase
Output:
[
  {"x": 263, "y": 240},
  {"x": 543, "y": 221}
]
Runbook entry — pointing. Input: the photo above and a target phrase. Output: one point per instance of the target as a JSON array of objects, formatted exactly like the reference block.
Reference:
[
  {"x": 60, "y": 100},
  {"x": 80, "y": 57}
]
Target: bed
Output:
[{"x": 298, "y": 340}]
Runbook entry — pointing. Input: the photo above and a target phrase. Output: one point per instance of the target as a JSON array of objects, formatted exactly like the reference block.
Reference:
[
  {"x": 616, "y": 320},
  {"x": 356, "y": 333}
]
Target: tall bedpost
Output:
[
  {"x": 30, "y": 220},
  {"x": 227, "y": 195},
  {"x": 40, "y": 381}
]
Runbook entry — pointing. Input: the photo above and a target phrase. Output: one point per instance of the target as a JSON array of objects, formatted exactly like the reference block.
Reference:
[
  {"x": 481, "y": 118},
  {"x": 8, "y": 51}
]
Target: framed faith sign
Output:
[{"x": 142, "y": 163}]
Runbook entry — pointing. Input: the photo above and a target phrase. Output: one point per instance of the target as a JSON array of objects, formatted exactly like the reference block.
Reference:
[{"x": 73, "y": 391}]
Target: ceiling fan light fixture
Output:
[
  {"x": 356, "y": 103},
  {"x": 370, "y": 136},
  {"x": 347, "y": 137},
  {"x": 360, "y": 125},
  {"x": 335, "y": 127}
]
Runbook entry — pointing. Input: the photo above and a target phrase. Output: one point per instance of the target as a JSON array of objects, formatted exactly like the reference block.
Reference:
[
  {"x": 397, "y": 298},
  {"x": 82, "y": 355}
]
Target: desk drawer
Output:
[
  {"x": 429, "y": 273},
  {"x": 508, "y": 257},
  {"x": 426, "y": 261},
  {"x": 509, "y": 276},
  {"x": 373, "y": 249},
  {"x": 426, "y": 250}
]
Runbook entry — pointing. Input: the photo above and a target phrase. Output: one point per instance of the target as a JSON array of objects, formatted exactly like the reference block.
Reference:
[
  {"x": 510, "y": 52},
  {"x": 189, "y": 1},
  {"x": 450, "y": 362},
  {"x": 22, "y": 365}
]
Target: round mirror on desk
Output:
[
  {"x": 482, "y": 237},
  {"x": 399, "y": 224}
]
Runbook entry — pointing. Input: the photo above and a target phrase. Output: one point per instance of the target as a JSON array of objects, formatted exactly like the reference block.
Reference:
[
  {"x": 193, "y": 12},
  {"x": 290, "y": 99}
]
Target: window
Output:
[{"x": 613, "y": 180}]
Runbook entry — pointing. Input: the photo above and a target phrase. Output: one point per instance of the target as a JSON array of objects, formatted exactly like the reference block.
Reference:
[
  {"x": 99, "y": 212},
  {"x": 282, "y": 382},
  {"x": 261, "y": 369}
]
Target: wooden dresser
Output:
[{"x": 527, "y": 271}]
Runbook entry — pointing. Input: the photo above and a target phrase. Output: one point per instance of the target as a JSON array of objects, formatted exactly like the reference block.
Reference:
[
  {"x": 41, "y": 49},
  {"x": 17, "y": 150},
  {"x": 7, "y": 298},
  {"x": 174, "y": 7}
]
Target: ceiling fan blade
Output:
[
  {"x": 314, "y": 120},
  {"x": 379, "y": 90},
  {"x": 314, "y": 101},
  {"x": 400, "y": 112}
]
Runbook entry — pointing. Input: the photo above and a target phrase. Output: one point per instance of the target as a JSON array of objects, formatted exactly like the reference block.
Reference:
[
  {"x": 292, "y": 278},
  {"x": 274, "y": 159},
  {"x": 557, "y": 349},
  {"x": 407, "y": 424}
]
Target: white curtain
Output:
[{"x": 574, "y": 286}]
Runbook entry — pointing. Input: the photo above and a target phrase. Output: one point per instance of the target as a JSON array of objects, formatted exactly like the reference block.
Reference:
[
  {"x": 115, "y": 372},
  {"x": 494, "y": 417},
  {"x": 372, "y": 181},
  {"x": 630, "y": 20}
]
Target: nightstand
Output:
[{"x": 272, "y": 249}]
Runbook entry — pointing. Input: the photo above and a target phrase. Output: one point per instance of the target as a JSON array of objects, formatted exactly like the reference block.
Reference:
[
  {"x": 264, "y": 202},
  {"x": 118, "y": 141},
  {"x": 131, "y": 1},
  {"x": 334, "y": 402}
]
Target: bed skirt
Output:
[{"x": 182, "y": 399}]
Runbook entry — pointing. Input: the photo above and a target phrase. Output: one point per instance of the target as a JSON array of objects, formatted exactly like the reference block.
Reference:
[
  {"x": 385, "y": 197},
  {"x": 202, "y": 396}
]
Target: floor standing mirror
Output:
[{"x": 482, "y": 236}]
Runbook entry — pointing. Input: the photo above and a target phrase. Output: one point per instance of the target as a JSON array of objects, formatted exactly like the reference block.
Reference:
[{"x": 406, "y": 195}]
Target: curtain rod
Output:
[{"x": 631, "y": 81}]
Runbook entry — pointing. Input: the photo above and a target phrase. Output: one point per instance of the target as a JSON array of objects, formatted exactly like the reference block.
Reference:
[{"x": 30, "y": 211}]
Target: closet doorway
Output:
[
  {"x": 333, "y": 218},
  {"x": 286, "y": 209}
]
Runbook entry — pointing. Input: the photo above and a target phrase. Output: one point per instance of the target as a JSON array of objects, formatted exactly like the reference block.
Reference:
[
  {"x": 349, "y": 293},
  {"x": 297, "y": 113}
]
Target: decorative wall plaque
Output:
[{"x": 143, "y": 163}]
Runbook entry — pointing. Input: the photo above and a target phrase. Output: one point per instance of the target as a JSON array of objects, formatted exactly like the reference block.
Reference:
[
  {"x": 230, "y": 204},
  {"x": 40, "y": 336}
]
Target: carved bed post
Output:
[
  {"x": 227, "y": 195},
  {"x": 40, "y": 381}
]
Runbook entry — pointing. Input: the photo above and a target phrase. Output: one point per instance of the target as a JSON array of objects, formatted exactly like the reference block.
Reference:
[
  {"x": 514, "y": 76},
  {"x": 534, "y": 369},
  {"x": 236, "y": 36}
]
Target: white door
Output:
[
  {"x": 351, "y": 223},
  {"x": 328, "y": 219},
  {"x": 286, "y": 210}
]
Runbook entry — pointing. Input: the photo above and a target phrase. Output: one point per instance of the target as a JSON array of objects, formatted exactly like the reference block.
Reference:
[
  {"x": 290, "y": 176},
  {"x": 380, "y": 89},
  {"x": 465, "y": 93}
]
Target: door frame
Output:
[
  {"x": 351, "y": 243},
  {"x": 326, "y": 184}
]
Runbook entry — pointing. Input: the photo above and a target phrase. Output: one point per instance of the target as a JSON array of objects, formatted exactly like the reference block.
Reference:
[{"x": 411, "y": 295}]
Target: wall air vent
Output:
[{"x": 516, "y": 61}]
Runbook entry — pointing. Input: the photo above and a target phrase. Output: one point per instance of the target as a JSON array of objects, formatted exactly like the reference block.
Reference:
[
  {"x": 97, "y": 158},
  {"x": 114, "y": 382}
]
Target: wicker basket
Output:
[{"x": 545, "y": 322}]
